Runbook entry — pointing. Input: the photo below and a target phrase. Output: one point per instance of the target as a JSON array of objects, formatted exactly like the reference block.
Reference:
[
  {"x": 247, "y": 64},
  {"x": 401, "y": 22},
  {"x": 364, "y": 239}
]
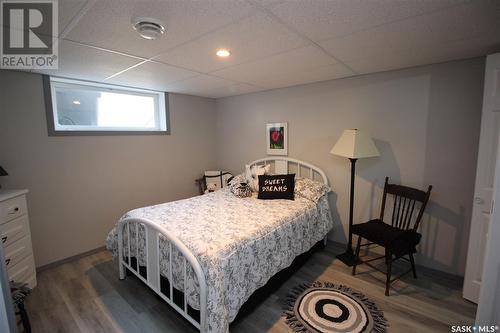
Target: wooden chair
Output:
[{"x": 400, "y": 237}]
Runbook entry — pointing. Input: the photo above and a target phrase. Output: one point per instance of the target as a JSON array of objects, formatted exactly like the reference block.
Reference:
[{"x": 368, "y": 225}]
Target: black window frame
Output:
[{"x": 52, "y": 131}]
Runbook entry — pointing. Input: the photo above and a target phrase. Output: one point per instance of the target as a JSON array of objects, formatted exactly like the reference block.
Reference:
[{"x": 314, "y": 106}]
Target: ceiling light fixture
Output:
[
  {"x": 76, "y": 102},
  {"x": 148, "y": 28},
  {"x": 223, "y": 53}
]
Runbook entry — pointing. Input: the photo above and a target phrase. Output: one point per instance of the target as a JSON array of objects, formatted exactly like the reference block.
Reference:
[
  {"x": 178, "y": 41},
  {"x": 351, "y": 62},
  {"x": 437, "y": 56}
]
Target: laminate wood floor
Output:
[{"x": 86, "y": 295}]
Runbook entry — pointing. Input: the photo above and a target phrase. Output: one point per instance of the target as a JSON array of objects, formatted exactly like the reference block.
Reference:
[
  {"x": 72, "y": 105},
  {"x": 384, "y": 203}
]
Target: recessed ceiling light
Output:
[
  {"x": 148, "y": 28},
  {"x": 76, "y": 102},
  {"x": 223, "y": 53}
]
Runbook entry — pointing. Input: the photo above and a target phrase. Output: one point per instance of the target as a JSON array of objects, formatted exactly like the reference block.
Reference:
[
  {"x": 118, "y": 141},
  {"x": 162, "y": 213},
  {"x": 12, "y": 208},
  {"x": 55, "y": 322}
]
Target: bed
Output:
[{"x": 206, "y": 255}]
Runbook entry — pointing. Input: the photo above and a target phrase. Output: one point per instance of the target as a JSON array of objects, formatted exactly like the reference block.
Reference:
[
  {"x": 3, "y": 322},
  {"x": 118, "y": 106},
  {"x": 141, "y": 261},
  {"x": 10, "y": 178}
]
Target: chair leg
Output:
[
  {"x": 412, "y": 261},
  {"x": 356, "y": 255},
  {"x": 388, "y": 257}
]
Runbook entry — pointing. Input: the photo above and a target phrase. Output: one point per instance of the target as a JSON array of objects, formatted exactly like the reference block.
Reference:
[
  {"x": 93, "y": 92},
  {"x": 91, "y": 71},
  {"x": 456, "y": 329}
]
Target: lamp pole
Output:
[
  {"x": 348, "y": 257},
  {"x": 351, "y": 203}
]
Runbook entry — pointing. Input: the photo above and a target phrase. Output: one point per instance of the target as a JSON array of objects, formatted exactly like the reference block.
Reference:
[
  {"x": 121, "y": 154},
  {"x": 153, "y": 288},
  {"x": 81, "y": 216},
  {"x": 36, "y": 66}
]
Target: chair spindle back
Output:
[{"x": 405, "y": 199}]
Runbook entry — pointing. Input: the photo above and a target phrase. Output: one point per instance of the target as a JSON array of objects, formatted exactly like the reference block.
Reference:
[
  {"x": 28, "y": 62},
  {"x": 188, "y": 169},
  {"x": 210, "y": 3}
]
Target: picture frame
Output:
[{"x": 277, "y": 138}]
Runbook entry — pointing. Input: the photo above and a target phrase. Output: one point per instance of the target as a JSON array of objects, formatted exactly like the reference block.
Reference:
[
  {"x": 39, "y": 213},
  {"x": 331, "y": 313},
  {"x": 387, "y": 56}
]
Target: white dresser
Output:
[{"x": 15, "y": 236}]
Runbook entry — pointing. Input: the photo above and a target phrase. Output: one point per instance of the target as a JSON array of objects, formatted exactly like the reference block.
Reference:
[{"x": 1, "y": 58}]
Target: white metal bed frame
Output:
[{"x": 152, "y": 250}]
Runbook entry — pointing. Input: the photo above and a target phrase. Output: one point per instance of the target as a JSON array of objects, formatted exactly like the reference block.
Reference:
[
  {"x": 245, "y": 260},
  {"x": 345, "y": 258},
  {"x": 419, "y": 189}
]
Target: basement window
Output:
[{"x": 76, "y": 107}]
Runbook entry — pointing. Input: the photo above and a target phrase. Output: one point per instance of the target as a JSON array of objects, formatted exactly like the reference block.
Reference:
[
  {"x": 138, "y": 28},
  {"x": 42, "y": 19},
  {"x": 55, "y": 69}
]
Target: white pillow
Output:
[
  {"x": 259, "y": 170},
  {"x": 310, "y": 189},
  {"x": 252, "y": 174}
]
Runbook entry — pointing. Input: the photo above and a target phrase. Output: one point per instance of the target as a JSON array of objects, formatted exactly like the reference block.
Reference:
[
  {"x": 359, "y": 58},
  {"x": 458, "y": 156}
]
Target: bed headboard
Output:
[{"x": 284, "y": 165}]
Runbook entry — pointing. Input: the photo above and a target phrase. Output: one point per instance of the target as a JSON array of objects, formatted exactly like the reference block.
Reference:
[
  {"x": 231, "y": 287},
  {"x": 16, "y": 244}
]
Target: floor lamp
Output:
[{"x": 353, "y": 144}]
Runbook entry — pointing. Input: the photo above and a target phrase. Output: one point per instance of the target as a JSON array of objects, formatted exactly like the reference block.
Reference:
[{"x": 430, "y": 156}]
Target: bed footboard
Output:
[{"x": 152, "y": 258}]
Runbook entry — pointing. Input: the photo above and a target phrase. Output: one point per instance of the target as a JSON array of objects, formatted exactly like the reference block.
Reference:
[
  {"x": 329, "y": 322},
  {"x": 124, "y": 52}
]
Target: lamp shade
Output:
[
  {"x": 355, "y": 144},
  {"x": 3, "y": 172}
]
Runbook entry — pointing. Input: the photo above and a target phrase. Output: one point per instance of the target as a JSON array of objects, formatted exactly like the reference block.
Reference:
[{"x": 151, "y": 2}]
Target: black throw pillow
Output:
[{"x": 277, "y": 187}]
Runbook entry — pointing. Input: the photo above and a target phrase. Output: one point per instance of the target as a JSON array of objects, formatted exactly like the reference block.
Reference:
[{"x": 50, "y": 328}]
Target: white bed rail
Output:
[
  {"x": 152, "y": 258},
  {"x": 282, "y": 166}
]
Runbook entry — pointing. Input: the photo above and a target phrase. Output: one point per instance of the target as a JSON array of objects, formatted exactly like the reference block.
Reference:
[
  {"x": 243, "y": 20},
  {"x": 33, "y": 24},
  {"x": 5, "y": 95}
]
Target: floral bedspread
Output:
[{"x": 239, "y": 242}]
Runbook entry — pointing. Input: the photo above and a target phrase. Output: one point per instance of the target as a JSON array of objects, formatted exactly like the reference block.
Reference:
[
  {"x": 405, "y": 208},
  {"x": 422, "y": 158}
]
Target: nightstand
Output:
[{"x": 16, "y": 237}]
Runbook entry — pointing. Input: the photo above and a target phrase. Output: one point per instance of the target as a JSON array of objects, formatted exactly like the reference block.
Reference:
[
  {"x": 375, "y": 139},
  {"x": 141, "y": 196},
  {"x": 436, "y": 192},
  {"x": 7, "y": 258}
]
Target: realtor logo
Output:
[{"x": 28, "y": 36}]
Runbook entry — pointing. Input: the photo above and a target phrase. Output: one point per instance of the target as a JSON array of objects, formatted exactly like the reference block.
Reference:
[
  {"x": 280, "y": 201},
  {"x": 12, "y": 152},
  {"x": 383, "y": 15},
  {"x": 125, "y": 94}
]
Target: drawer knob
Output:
[
  {"x": 7, "y": 262},
  {"x": 14, "y": 210},
  {"x": 4, "y": 239}
]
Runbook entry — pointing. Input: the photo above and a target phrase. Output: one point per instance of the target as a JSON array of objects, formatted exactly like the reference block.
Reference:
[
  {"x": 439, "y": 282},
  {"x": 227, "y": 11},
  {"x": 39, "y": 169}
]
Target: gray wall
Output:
[
  {"x": 80, "y": 186},
  {"x": 425, "y": 122}
]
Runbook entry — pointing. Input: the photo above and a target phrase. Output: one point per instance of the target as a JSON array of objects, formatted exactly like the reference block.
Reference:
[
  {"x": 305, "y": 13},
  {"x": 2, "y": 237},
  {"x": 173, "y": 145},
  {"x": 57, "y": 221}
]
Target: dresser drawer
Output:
[
  {"x": 23, "y": 272},
  {"x": 14, "y": 230},
  {"x": 12, "y": 208},
  {"x": 17, "y": 251}
]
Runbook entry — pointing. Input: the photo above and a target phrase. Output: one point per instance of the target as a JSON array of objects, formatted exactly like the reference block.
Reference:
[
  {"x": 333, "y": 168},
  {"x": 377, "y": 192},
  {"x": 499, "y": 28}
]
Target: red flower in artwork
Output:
[{"x": 275, "y": 135}]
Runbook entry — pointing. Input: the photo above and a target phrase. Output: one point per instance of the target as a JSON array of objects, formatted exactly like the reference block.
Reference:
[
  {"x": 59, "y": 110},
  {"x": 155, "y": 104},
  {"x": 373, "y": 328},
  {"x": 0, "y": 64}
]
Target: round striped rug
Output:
[{"x": 327, "y": 307}]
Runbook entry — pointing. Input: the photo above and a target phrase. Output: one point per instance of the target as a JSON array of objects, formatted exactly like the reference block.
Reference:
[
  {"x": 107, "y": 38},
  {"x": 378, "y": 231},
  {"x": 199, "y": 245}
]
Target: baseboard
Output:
[
  {"x": 456, "y": 279},
  {"x": 69, "y": 259}
]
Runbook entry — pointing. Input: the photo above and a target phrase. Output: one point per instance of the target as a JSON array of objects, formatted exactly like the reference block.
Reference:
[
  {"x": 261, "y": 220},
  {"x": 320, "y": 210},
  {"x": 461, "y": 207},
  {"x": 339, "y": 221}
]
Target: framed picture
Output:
[{"x": 277, "y": 138}]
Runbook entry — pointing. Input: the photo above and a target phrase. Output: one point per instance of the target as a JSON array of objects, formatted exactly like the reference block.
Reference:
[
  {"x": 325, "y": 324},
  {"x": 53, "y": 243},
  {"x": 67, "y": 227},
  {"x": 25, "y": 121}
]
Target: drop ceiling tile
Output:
[
  {"x": 455, "y": 50},
  {"x": 267, "y": 3},
  {"x": 325, "y": 19},
  {"x": 374, "y": 35},
  {"x": 376, "y": 42},
  {"x": 316, "y": 74},
  {"x": 283, "y": 69},
  {"x": 250, "y": 39},
  {"x": 472, "y": 20},
  {"x": 67, "y": 10},
  {"x": 386, "y": 62},
  {"x": 107, "y": 23},
  {"x": 151, "y": 75},
  {"x": 197, "y": 84},
  {"x": 87, "y": 63},
  {"x": 231, "y": 90}
]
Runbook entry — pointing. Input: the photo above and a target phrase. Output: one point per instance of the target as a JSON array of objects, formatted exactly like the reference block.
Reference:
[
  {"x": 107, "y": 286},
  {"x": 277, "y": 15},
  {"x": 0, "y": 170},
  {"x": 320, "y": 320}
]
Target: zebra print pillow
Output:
[{"x": 239, "y": 186}]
